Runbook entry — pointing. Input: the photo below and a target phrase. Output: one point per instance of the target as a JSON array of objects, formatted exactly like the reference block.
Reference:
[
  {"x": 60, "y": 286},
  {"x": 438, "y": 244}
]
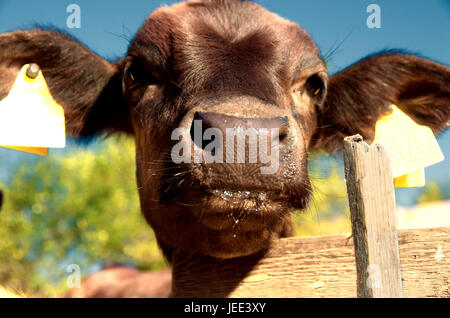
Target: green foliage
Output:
[
  {"x": 82, "y": 208},
  {"x": 431, "y": 193},
  {"x": 328, "y": 212}
]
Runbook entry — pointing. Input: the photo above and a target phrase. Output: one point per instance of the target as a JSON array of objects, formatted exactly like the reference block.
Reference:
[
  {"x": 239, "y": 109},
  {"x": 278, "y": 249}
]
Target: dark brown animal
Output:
[
  {"x": 231, "y": 64},
  {"x": 124, "y": 282}
]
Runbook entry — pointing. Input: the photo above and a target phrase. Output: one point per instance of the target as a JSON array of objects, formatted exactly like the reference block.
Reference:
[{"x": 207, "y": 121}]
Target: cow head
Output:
[{"x": 234, "y": 67}]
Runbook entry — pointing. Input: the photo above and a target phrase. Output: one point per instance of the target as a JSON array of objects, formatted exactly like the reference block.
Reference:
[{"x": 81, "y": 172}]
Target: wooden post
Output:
[{"x": 370, "y": 188}]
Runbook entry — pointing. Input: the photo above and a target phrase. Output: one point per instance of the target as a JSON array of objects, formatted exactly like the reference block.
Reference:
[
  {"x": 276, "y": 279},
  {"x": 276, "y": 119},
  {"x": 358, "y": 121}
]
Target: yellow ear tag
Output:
[
  {"x": 411, "y": 148},
  {"x": 30, "y": 119}
]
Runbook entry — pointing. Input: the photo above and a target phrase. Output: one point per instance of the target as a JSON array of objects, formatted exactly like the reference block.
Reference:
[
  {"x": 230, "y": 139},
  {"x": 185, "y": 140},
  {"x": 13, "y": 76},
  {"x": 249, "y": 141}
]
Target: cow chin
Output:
[{"x": 222, "y": 235}]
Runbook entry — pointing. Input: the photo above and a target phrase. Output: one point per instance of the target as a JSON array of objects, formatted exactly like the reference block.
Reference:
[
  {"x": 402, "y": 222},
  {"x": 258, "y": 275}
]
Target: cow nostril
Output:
[
  {"x": 194, "y": 133},
  {"x": 198, "y": 127},
  {"x": 241, "y": 127},
  {"x": 282, "y": 137},
  {"x": 283, "y": 129}
]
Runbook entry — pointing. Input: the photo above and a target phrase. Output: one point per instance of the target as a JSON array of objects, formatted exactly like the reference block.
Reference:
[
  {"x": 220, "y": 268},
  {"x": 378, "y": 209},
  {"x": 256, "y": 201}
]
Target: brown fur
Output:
[
  {"x": 224, "y": 58},
  {"x": 124, "y": 282}
]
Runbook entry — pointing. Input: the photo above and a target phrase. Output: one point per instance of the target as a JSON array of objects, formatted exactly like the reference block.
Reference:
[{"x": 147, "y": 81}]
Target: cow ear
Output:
[
  {"x": 87, "y": 86},
  {"x": 361, "y": 94}
]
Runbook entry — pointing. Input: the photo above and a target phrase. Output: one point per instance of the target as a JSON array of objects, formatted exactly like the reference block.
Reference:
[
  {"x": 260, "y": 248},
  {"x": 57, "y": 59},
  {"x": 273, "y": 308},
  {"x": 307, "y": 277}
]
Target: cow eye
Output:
[
  {"x": 136, "y": 75},
  {"x": 315, "y": 86}
]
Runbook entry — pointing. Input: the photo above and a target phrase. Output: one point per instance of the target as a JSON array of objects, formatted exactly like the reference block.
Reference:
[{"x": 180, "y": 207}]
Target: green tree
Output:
[
  {"x": 328, "y": 212},
  {"x": 80, "y": 208},
  {"x": 431, "y": 193}
]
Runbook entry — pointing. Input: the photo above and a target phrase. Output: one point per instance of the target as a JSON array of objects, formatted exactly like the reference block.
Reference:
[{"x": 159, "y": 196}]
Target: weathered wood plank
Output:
[
  {"x": 425, "y": 258},
  {"x": 370, "y": 189},
  {"x": 314, "y": 267}
]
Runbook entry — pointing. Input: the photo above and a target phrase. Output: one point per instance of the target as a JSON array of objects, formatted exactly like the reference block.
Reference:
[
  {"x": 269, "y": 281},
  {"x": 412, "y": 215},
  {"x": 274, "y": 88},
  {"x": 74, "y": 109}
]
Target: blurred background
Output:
[{"x": 79, "y": 205}]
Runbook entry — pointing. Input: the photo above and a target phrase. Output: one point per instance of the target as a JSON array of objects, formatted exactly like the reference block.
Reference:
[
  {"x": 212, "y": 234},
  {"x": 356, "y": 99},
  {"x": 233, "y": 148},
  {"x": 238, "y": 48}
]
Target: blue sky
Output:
[{"x": 415, "y": 25}]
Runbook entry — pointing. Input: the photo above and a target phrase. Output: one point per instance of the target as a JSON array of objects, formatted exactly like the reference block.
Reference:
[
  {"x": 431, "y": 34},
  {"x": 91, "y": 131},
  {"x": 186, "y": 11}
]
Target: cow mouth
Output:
[
  {"x": 250, "y": 201},
  {"x": 238, "y": 209},
  {"x": 241, "y": 206},
  {"x": 242, "y": 209}
]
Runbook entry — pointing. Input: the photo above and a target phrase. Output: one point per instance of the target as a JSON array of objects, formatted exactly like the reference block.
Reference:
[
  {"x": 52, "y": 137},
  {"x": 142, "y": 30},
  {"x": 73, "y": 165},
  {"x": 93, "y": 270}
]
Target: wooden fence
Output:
[{"x": 376, "y": 261}]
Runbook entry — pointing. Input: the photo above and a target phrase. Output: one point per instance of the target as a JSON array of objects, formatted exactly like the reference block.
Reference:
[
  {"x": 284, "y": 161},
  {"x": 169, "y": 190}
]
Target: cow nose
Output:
[{"x": 277, "y": 128}]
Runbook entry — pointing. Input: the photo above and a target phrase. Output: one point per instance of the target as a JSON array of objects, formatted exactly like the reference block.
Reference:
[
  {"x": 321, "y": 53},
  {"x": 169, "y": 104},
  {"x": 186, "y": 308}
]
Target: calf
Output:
[{"x": 226, "y": 64}]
